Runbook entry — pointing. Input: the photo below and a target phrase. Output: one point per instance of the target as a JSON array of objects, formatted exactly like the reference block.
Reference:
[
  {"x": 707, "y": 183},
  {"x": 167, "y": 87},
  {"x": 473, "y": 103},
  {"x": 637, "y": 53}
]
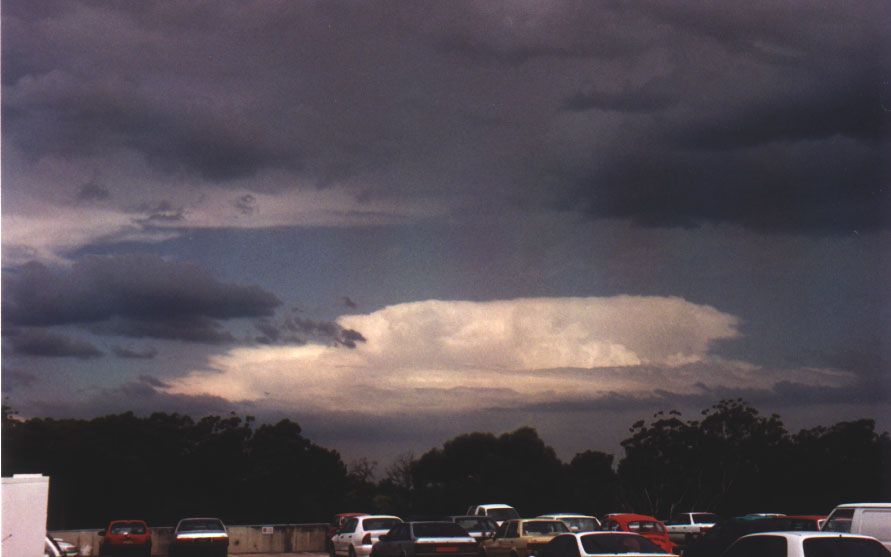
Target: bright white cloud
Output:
[{"x": 458, "y": 356}]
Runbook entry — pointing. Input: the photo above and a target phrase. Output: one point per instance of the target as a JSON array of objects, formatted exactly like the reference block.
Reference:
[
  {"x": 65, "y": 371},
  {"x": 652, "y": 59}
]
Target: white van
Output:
[{"x": 866, "y": 519}]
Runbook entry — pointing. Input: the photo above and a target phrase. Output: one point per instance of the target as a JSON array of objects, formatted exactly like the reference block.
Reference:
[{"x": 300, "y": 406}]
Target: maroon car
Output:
[{"x": 126, "y": 537}]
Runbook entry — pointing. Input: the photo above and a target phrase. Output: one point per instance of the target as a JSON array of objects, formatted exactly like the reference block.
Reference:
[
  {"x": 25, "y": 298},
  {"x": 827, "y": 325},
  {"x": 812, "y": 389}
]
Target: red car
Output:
[
  {"x": 130, "y": 537},
  {"x": 647, "y": 526}
]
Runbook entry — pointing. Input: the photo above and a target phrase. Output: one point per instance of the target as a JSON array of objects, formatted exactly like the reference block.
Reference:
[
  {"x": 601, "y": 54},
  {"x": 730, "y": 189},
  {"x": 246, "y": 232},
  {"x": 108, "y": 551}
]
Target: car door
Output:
[
  {"x": 344, "y": 536},
  {"x": 511, "y": 538},
  {"x": 495, "y": 547}
]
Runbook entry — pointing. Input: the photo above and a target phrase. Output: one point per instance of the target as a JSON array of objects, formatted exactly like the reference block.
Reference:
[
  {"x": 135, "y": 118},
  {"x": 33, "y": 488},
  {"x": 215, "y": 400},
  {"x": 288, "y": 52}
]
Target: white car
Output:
[
  {"x": 359, "y": 533},
  {"x": 499, "y": 512},
  {"x": 805, "y": 544},
  {"x": 576, "y": 522},
  {"x": 601, "y": 544}
]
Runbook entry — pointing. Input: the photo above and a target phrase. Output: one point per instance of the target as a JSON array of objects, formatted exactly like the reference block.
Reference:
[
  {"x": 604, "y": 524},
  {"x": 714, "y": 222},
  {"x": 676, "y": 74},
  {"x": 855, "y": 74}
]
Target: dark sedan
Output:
[{"x": 426, "y": 539}]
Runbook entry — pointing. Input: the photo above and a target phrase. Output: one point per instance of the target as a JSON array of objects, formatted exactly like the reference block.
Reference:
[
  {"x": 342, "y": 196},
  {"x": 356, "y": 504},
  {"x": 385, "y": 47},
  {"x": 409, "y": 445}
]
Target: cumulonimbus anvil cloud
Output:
[{"x": 457, "y": 355}]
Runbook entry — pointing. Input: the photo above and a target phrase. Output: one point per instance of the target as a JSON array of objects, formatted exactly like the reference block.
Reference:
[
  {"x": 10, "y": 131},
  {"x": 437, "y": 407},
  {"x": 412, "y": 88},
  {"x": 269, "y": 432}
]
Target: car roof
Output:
[
  {"x": 871, "y": 505},
  {"x": 494, "y": 506},
  {"x": 801, "y": 534},
  {"x": 565, "y": 515},
  {"x": 367, "y": 516}
]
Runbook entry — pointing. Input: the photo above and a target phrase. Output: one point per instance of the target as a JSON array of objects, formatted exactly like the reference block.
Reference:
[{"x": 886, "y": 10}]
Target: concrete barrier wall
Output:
[{"x": 243, "y": 540}]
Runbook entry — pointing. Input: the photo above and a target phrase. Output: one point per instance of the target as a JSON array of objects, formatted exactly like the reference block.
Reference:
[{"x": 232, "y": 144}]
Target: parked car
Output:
[
  {"x": 522, "y": 538},
  {"x": 601, "y": 544},
  {"x": 422, "y": 539},
  {"x": 199, "y": 536},
  {"x": 479, "y": 527},
  {"x": 335, "y": 525},
  {"x": 684, "y": 527},
  {"x": 576, "y": 522},
  {"x": 867, "y": 519},
  {"x": 722, "y": 535},
  {"x": 359, "y": 533},
  {"x": 499, "y": 512},
  {"x": 68, "y": 548},
  {"x": 647, "y": 526},
  {"x": 130, "y": 537},
  {"x": 806, "y": 544}
]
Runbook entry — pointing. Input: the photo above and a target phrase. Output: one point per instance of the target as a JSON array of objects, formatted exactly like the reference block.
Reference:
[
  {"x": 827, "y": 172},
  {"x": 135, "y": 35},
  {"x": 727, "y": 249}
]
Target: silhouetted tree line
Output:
[{"x": 163, "y": 467}]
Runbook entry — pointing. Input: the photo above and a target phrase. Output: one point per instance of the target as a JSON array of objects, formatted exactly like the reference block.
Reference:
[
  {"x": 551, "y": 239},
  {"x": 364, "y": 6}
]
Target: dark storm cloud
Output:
[
  {"x": 142, "y": 288},
  {"x": 91, "y": 191},
  {"x": 15, "y": 378},
  {"x": 134, "y": 354},
  {"x": 326, "y": 330},
  {"x": 42, "y": 343},
  {"x": 667, "y": 114},
  {"x": 185, "y": 328}
]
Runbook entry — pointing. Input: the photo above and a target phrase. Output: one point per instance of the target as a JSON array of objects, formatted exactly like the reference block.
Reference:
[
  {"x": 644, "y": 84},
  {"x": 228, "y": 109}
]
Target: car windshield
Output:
[
  {"x": 503, "y": 513},
  {"x": 843, "y": 547},
  {"x": 646, "y": 526},
  {"x": 438, "y": 530},
  {"x": 128, "y": 528},
  {"x": 543, "y": 527},
  {"x": 707, "y": 518},
  {"x": 581, "y": 524},
  {"x": 618, "y": 543},
  {"x": 380, "y": 523},
  {"x": 474, "y": 524},
  {"x": 201, "y": 525},
  {"x": 839, "y": 521}
]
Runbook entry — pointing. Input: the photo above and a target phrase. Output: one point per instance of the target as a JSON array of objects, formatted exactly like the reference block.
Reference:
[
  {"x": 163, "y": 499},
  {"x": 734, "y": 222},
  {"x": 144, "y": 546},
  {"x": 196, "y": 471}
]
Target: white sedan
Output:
[
  {"x": 359, "y": 533},
  {"x": 601, "y": 544},
  {"x": 806, "y": 544}
]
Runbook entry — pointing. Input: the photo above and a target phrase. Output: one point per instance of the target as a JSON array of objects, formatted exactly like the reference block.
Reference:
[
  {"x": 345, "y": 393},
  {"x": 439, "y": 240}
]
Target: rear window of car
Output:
[
  {"x": 438, "y": 530},
  {"x": 380, "y": 523},
  {"x": 545, "y": 527},
  {"x": 839, "y": 521},
  {"x": 706, "y": 518},
  {"x": 200, "y": 525},
  {"x": 646, "y": 526},
  {"x": 127, "y": 528},
  {"x": 618, "y": 543},
  {"x": 842, "y": 547}
]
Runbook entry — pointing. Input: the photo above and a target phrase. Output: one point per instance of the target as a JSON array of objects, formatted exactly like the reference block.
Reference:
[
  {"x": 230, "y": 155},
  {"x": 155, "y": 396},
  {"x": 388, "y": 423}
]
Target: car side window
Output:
[
  {"x": 512, "y": 530},
  {"x": 761, "y": 546},
  {"x": 612, "y": 526},
  {"x": 349, "y": 526},
  {"x": 499, "y": 533}
]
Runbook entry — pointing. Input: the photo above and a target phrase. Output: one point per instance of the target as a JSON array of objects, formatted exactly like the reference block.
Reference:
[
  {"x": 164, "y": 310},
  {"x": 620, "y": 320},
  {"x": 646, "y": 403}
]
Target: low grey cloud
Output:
[
  {"x": 298, "y": 330},
  {"x": 48, "y": 344},
  {"x": 91, "y": 191},
  {"x": 128, "y": 353},
  {"x": 13, "y": 379},
  {"x": 143, "y": 288},
  {"x": 184, "y": 328}
]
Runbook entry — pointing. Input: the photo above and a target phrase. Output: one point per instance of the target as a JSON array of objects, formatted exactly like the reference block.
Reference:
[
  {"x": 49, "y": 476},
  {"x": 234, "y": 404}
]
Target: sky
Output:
[{"x": 397, "y": 222}]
